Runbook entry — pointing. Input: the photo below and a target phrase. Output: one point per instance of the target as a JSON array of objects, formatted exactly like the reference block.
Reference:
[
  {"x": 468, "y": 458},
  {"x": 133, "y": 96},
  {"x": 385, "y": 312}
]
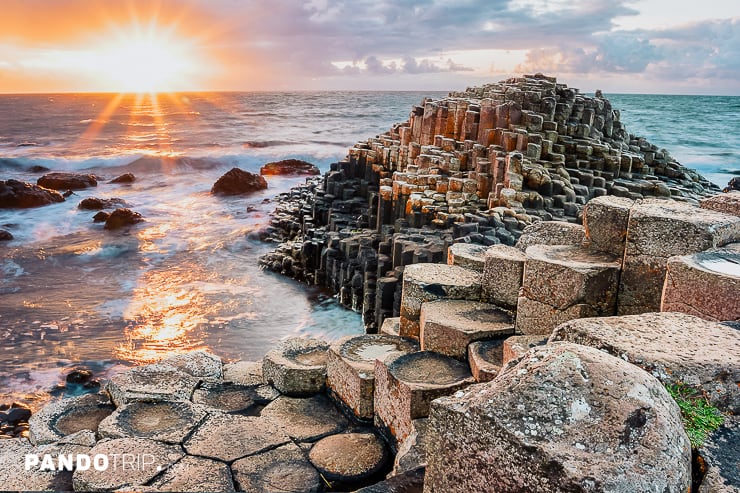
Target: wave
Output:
[
  {"x": 730, "y": 171},
  {"x": 258, "y": 144}
]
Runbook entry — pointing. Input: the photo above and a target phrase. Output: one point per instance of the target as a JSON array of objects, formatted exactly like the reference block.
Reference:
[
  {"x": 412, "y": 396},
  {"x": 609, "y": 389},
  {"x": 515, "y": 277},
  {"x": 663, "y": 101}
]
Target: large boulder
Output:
[
  {"x": 67, "y": 181},
  {"x": 121, "y": 218},
  {"x": 563, "y": 418},
  {"x": 18, "y": 194},
  {"x": 238, "y": 182},
  {"x": 289, "y": 167}
]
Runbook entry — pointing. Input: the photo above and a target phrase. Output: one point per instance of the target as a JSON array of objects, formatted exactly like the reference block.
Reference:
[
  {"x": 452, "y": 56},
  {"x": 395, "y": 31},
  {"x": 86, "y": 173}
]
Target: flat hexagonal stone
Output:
[
  {"x": 467, "y": 255},
  {"x": 68, "y": 416},
  {"x": 242, "y": 399},
  {"x": 351, "y": 368},
  {"x": 156, "y": 382},
  {"x": 673, "y": 347},
  {"x": 227, "y": 437},
  {"x": 297, "y": 367},
  {"x": 305, "y": 419},
  {"x": 195, "y": 474},
  {"x": 199, "y": 364},
  {"x": 168, "y": 422},
  {"x": 350, "y": 457},
  {"x": 448, "y": 326},
  {"x": 132, "y": 462},
  {"x": 429, "y": 282},
  {"x": 486, "y": 359},
  {"x": 406, "y": 384},
  {"x": 284, "y": 469}
]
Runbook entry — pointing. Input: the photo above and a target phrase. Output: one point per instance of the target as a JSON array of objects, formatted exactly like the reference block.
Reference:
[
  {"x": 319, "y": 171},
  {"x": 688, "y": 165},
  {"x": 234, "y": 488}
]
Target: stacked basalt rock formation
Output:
[{"x": 478, "y": 166}]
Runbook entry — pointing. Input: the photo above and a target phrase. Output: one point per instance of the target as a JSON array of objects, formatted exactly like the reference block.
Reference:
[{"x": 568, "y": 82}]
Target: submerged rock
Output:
[
  {"x": 96, "y": 204},
  {"x": 67, "y": 181},
  {"x": 5, "y": 235},
  {"x": 289, "y": 167},
  {"x": 101, "y": 217},
  {"x": 120, "y": 218},
  {"x": 18, "y": 194},
  {"x": 238, "y": 182},
  {"x": 125, "y": 178}
]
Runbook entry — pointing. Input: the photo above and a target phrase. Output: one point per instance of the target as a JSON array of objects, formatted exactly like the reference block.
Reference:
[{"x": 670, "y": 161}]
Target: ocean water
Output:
[{"x": 73, "y": 294}]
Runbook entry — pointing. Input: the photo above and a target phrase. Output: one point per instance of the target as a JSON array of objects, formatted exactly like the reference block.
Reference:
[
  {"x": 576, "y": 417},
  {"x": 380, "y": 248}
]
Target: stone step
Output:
[
  {"x": 502, "y": 276},
  {"x": 448, "y": 326},
  {"x": 467, "y": 255},
  {"x": 429, "y": 282},
  {"x": 406, "y": 384},
  {"x": 705, "y": 284},
  {"x": 561, "y": 283},
  {"x": 297, "y": 366},
  {"x": 605, "y": 220},
  {"x": 351, "y": 368}
]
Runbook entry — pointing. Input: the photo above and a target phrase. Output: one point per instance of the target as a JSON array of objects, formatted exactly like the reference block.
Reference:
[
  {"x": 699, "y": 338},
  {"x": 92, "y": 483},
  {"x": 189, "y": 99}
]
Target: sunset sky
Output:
[{"x": 649, "y": 46}]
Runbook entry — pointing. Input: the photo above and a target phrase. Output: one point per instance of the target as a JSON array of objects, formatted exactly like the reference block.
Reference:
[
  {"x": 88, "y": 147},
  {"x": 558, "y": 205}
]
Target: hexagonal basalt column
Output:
[
  {"x": 705, "y": 284},
  {"x": 391, "y": 326},
  {"x": 351, "y": 368},
  {"x": 59, "y": 419},
  {"x": 448, "y": 326},
  {"x": 502, "y": 276},
  {"x": 467, "y": 255},
  {"x": 157, "y": 382},
  {"x": 605, "y": 219},
  {"x": 297, "y": 367},
  {"x": 658, "y": 230},
  {"x": 168, "y": 422},
  {"x": 516, "y": 346},
  {"x": 429, "y": 282},
  {"x": 406, "y": 384},
  {"x": 486, "y": 359},
  {"x": 565, "y": 282},
  {"x": 281, "y": 469}
]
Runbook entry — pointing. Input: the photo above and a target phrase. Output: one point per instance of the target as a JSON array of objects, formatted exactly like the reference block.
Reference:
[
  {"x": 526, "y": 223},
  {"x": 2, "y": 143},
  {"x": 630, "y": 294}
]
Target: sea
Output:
[{"x": 74, "y": 295}]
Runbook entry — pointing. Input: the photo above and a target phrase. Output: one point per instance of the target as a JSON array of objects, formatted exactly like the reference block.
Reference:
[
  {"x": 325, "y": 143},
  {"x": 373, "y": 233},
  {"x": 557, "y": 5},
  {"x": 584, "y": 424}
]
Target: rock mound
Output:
[
  {"x": 124, "y": 178},
  {"x": 120, "y": 218},
  {"x": 238, "y": 182},
  {"x": 18, "y": 194},
  {"x": 67, "y": 181},
  {"x": 289, "y": 167},
  {"x": 96, "y": 204}
]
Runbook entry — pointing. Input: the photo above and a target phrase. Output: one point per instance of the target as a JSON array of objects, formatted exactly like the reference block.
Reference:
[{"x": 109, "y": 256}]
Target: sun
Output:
[{"x": 147, "y": 59}]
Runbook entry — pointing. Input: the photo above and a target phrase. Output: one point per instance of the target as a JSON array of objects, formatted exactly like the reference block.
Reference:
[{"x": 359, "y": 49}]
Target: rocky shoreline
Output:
[{"x": 536, "y": 285}]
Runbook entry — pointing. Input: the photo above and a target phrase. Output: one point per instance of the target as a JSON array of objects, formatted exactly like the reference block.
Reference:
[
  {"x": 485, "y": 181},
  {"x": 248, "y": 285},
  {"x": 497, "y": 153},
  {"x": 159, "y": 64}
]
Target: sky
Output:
[{"x": 618, "y": 46}]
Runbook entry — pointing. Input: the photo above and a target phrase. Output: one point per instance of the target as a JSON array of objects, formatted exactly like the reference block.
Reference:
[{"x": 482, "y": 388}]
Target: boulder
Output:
[
  {"x": 238, "y": 182},
  {"x": 562, "y": 418},
  {"x": 96, "y": 204},
  {"x": 5, "y": 235},
  {"x": 67, "y": 181},
  {"x": 121, "y": 218},
  {"x": 101, "y": 217},
  {"x": 281, "y": 470},
  {"x": 289, "y": 167},
  {"x": 17, "y": 194},
  {"x": 674, "y": 347},
  {"x": 124, "y": 178}
]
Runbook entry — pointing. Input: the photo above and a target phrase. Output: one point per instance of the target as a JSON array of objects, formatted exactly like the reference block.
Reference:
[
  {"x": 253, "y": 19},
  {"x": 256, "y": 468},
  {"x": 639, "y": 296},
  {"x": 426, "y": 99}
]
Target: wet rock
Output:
[
  {"x": 5, "y": 235},
  {"x": 289, "y": 167},
  {"x": 238, "y": 182},
  {"x": 152, "y": 383},
  {"x": 79, "y": 376},
  {"x": 101, "y": 217},
  {"x": 502, "y": 275},
  {"x": 674, "y": 347},
  {"x": 68, "y": 416},
  {"x": 704, "y": 284},
  {"x": 124, "y": 178},
  {"x": 194, "y": 474},
  {"x": 121, "y": 218},
  {"x": 486, "y": 359},
  {"x": 351, "y": 368},
  {"x": 96, "y": 204},
  {"x": 15, "y": 477},
  {"x": 551, "y": 233},
  {"x": 305, "y": 419},
  {"x": 228, "y": 437},
  {"x": 17, "y": 194},
  {"x": 284, "y": 469},
  {"x": 720, "y": 458},
  {"x": 448, "y": 326},
  {"x": 564, "y": 418},
  {"x": 153, "y": 457},
  {"x": 297, "y": 366},
  {"x": 406, "y": 384},
  {"x": 349, "y": 458},
  {"x": 168, "y": 422},
  {"x": 67, "y": 181}
]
